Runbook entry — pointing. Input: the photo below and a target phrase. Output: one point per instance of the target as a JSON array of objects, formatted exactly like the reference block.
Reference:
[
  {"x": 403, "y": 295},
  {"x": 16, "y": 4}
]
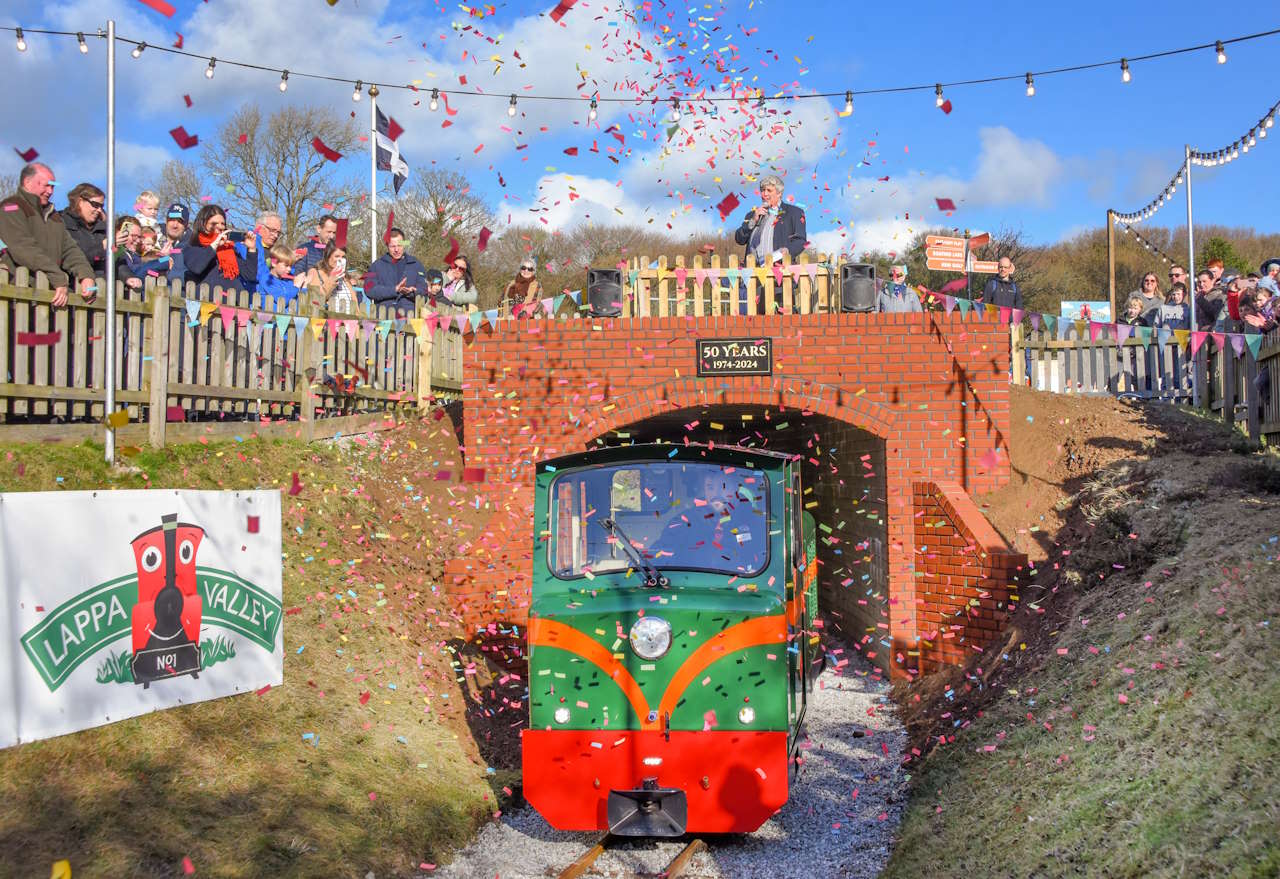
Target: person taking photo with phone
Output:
[{"x": 214, "y": 258}]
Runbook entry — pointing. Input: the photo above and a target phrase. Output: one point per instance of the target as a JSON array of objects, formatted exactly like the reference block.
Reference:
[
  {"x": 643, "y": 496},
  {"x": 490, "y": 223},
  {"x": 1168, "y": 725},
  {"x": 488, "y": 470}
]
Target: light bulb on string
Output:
[
  {"x": 1124, "y": 70},
  {"x": 284, "y": 81},
  {"x": 22, "y": 41},
  {"x": 1031, "y": 86},
  {"x": 434, "y": 103},
  {"x": 1222, "y": 52},
  {"x": 1262, "y": 131},
  {"x": 84, "y": 47},
  {"x": 208, "y": 71},
  {"x": 848, "y": 103},
  {"x": 139, "y": 49},
  {"x": 937, "y": 95},
  {"x": 511, "y": 107},
  {"x": 355, "y": 94},
  {"x": 593, "y": 112},
  {"x": 1271, "y": 119},
  {"x": 1253, "y": 137}
]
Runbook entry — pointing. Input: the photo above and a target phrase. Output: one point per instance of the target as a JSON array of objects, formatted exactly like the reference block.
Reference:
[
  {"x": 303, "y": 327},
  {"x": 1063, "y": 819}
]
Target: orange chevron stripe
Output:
[
  {"x": 750, "y": 633},
  {"x": 549, "y": 633}
]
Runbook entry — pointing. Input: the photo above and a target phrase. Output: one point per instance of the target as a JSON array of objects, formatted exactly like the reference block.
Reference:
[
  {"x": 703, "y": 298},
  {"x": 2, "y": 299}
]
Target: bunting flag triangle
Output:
[
  {"x": 228, "y": 315},
  {"x": 1198, "y": 338},
  {"x": 1005, "y": 313},
  {"x": 475, "y": 318},
  {"x": 777, "y": 274},
  {"x": 1123, "y": 332},
  {"x": 334, "y": 325},
  {"x": 300, "y": 324},
  {"x": 367, "y": 327},
  {"x": 1182, "y": 336},
  {"x": 1163, "y": 335},
  {"x": 1144, "y": 335},
  {"x": 811, "y": 269},
  {"x": 282, "y": 323},
  {"x": 419, "y": 326},
  {"x": 1079, "y": 325},
  {"x": 432, "y": 322},
  {"x": 1035, "y": 321},
  {"x": 460, "y": 321},
  {"x": 384, "y": 328},
  {"x": 576, "y": 296},
  {"x": 1050, "y": 324},
  {"x": 317, "y": 327},
  {"x": 1254, "y": 341},
  {"x": 682, "y": 275},
  {"x": 1095, "y": 330},
  {"x": 492, "y": 317},
  {"x": 546, "y": 305},
  {"x": 559, "y": 301},
  {"x": 634, "y": 278},
  {"x": 760, "y": 273},
  {"x": 948, "y": 302},
  {"x": 965, "y": 305},
  {"x": 1218, "y": 340},
  {"x": 699, "y": 276},
  {"x": 193, "y": 312},
  {"x": 734, "y": 276},
  {"x": 242, "y": 317},
  {"x": 1237, "y": 342}
]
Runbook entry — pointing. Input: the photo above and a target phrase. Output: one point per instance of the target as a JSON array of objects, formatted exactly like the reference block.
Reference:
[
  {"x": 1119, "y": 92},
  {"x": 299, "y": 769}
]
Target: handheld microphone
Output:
[{"x": 760, "y": 218}]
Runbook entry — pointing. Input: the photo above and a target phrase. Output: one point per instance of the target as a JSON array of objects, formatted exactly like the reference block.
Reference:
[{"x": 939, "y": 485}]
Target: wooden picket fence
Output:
[
  {"x": 1232, "y": 385},
  {"x": 199, "y": 361},
  {"x": 728, "y": 286}
]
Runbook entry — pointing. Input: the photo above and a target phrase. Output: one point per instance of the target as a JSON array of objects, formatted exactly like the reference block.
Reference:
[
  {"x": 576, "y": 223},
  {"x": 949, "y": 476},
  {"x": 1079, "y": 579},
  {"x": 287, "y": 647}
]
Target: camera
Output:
[{"x": 236, "y": 235}]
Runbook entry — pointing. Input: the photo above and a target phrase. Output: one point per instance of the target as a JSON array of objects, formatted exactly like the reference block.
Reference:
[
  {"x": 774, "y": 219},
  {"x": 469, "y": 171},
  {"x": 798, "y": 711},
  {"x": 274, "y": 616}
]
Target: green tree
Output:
[{"x": 1220, "y": 248}]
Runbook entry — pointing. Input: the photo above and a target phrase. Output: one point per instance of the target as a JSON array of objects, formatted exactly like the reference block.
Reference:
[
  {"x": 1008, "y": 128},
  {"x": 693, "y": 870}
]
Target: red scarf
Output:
[{"x": 227, "y": 262}]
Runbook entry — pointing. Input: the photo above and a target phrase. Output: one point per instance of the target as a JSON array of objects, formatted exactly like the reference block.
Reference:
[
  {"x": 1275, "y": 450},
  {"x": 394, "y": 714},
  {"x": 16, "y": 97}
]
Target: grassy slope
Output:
[
  {"x": 1131, "y": 729},
  {"x": 233, "y": 784}
]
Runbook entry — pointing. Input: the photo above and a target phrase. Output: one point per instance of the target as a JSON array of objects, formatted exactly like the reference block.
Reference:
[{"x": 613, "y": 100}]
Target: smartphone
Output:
[{"x": 236, "y": 235}]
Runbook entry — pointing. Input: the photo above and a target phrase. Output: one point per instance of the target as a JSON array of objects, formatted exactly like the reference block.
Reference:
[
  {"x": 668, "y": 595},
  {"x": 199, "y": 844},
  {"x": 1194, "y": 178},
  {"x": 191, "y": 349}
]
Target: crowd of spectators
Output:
[
  {"x": 1224, "y": 302},
  {"x": 72, "y": 247}
]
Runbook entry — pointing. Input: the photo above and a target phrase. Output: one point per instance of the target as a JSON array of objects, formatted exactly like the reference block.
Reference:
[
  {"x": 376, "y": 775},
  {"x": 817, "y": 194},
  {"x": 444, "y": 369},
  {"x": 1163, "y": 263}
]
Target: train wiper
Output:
[{"x": 651, "y": 574}]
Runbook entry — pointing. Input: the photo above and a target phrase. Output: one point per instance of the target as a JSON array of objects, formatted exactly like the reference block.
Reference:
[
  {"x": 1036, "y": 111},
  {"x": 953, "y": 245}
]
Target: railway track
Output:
[{"x": 677, "y": 866}]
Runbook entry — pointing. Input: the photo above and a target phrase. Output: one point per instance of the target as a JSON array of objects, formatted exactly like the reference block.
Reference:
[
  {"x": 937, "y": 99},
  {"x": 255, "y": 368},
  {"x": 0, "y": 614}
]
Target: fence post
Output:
[
  {"x": 426, "y": 341},
  {"x": 1017, "y": 354},
  {"x": 158, "y": 411},
  {"x": 306, "y": 376}
]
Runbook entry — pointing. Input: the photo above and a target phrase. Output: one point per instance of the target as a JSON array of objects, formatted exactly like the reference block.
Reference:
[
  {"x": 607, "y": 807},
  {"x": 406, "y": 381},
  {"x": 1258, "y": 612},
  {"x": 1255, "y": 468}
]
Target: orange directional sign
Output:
[
  {"x": 944, "y": 242},
  {"x": 945, "y": 264},
  {"x": 986, "y": 266}
]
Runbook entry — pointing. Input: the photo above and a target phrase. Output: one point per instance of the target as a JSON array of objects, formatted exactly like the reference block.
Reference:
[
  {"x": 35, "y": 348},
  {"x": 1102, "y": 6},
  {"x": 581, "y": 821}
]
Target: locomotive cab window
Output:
[{"x": 673, "y": 515}]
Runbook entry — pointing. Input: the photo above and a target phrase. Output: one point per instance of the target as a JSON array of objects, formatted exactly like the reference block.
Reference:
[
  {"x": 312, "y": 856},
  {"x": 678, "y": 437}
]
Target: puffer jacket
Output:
[{"x": 89, "y": 238}]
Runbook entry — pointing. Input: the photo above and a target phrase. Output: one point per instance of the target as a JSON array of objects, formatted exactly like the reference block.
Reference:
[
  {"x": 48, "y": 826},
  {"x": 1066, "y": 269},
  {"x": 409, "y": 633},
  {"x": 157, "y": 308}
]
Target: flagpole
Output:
[
  {"x": 109, "y": 294},
  {"x": 373, "y": 173}
]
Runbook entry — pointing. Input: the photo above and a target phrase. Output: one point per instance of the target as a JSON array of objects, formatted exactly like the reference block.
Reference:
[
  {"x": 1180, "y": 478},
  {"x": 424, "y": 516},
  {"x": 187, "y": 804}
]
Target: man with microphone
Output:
[{"x": 772, "y": 228}]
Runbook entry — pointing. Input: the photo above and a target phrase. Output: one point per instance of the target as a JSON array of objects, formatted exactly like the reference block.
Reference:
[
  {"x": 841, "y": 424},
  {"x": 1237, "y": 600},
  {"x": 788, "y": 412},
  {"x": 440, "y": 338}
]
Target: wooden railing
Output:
[
  {"x": 1236, "y": 386},
  {"x": 728, "y": 286},
  {"x": 207, "y": 355}
]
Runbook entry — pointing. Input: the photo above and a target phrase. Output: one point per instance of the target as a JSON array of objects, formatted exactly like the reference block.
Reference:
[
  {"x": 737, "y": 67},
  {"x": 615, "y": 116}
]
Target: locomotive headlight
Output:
[
  {"x": 651, "y": 637},
  {"x": 562, "y": 715},
  {"x": 746, "y": 715}
]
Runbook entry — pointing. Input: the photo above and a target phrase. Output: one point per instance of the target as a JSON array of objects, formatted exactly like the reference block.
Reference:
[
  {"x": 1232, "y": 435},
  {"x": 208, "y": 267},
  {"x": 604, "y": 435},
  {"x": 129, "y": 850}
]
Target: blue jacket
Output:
[
  {"x": 386, "y": 273},
  {"x": 1002, "y": 293},
  {"x": 898, "y": 299},
  {"x": 788, "y": 231},
  {"x": 202, "y": 268},
  {"x": 280, "y": 289}
]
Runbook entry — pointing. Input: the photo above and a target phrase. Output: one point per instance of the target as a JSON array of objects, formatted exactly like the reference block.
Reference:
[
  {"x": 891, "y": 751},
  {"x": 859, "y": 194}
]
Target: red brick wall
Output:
[
  {"x": 965, "y": 575},
  {"x": 934, "y": 387}
]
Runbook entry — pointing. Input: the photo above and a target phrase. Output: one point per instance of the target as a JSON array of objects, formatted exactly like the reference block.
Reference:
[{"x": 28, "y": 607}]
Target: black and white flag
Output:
[{"x": 389, "y": 158}]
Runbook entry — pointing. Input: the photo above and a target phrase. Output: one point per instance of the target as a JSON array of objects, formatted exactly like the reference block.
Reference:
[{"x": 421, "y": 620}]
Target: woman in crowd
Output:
[
  {"x": 213, "y": 258},
  {"x": 1133, "y": 312},
  {"x": 524, "y": 291},
  {"x": 460, "y": 289},
  {"x": 1149, "y": 292},
  {"x": 1175, "y": 314},
  {"x": 326, "y": 281},
  {"x": 85, "y": 220},
  {"x": 131, "y": 267}
]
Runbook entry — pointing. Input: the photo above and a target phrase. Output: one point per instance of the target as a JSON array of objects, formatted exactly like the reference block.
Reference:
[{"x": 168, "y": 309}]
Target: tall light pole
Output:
[{"x": 109, "y": 406}]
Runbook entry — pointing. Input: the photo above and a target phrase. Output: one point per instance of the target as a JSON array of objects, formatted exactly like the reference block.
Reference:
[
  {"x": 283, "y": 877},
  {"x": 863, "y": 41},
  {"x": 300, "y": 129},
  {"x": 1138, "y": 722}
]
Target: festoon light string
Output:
[
  {"x": 1227, "y": 154},
  {"x": 1127, "y": 229},
  {"x": 737, "y": 95}
]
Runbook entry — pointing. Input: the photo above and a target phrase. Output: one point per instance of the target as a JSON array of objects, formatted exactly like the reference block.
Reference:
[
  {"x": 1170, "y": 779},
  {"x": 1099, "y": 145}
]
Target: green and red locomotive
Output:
[{"x": 670, "y": 649}]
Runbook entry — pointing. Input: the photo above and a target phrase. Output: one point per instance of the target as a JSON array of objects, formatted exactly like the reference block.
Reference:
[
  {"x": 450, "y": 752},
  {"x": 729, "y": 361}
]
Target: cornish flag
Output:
[{"x": 389, "y": 158}]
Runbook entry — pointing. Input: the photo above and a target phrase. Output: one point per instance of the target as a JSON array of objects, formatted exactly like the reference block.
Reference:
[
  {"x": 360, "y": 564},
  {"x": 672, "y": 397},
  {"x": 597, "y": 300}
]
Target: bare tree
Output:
[
  {"x": 438, "y": 205},
  {"x": 179, "y": 182},
  {"x": 270, "y": 164},
  {"x": 8, "y": 184}
]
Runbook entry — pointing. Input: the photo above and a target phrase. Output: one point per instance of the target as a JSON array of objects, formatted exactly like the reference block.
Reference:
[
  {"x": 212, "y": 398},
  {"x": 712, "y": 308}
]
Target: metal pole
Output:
[
  {"x": 1191, "y": 271},
  {"x": 1111, "y": 260},
  {"x": 373, "y": 174},
  {"x": 110, "y": 292}
]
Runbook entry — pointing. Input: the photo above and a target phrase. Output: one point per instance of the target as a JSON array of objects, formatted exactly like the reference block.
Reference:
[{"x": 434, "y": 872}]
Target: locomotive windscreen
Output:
[{"x": 693, "y": 516}]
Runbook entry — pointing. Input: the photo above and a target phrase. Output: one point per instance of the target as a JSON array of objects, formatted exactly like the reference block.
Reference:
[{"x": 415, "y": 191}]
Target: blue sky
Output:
[{"x": 1050, "y": 165}]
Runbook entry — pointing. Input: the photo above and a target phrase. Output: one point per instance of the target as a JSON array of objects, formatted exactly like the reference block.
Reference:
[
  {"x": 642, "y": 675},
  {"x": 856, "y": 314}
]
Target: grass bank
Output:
[
  {"x": 1128, "y": 728},
  {"x": 361, "y": 761}
]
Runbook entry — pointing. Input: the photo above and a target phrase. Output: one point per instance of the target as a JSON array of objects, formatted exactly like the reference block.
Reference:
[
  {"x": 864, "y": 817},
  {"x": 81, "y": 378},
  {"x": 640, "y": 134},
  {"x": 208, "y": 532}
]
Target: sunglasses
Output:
[
  {"x": 526, "y": 268},
  {"x": 99, "y": 205},
  {"x": 458, "y": 268}
]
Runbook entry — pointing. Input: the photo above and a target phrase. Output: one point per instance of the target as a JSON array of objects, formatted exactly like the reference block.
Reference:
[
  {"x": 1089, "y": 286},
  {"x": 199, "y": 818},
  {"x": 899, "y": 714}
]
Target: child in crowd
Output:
[
  {"x": 280, "y": 283},
  {"x": 146, "y": 209},
  {"x": 148, "y": 246}
]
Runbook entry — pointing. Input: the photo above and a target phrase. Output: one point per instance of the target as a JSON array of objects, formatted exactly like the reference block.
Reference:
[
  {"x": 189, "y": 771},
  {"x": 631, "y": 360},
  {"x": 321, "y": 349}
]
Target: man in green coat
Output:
[{"x": 35, "y": 238}]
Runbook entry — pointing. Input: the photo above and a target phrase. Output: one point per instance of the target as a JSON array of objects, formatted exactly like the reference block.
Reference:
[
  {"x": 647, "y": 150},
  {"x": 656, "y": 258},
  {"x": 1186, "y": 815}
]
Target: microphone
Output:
[{"x": 760, "y": 218}]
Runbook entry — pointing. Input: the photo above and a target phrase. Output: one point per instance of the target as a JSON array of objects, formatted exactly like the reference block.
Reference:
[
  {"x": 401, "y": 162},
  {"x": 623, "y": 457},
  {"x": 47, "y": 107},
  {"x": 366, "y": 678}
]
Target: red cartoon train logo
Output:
[{"x": 166, "y": 619}]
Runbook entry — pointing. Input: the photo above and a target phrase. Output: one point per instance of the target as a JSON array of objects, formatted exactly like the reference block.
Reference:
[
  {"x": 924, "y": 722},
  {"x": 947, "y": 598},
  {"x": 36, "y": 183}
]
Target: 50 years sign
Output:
[{"x": 735, "y": 357}]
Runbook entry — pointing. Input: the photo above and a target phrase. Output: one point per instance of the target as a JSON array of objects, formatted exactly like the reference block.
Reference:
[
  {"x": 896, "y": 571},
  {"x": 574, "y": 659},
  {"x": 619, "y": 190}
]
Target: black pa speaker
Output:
[
  {"x": 858, "y": 287},
  {"x": 604, "y": 292}
]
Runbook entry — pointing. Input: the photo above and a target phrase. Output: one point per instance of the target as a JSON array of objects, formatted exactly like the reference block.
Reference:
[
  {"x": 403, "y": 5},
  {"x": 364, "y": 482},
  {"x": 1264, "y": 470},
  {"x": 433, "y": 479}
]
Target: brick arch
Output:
[{"x": 664, "y": 397}]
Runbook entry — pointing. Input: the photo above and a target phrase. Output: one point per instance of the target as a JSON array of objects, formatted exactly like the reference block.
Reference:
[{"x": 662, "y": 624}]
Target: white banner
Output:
[{"x": 118, "y": 603}]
